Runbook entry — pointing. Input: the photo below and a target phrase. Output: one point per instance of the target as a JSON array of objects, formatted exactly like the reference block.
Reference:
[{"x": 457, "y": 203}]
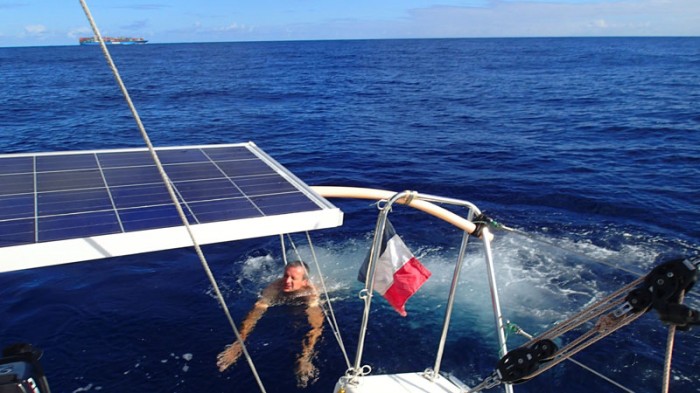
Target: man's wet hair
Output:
[{"x": 298, "y": 263}]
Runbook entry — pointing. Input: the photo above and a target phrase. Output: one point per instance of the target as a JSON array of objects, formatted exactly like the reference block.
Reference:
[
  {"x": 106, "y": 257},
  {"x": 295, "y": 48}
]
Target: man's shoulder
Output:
[
  {"x": 309, "y": 290},
  {"x": 271, "y": 292},
  {"x": 311, "y": 295},
  {"x": 313, "y": 300}
]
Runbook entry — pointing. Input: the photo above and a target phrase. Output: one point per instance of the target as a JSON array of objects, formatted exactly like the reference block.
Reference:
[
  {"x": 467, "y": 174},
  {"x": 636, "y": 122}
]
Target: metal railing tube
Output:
[
  {"x": 450, "y": 201},
  {"x": 498, "y": 315},
  {"x": 450, "y": 301}
]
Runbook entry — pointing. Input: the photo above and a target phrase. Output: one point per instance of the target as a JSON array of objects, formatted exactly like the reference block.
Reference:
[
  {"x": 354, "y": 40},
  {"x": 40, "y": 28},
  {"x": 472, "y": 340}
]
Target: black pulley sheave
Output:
[
  {"x": 663, "y": 289},
  {"x": 519, "y": 364},
  {"x": 667, "y": 281},
  {"x": 516, "y": 365},
  {"x": 545, "y": 349}
]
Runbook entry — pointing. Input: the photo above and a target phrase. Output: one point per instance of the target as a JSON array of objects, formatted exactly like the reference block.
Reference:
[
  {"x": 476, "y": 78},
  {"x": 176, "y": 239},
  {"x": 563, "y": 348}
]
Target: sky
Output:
[{"x": 62, "y": 22}]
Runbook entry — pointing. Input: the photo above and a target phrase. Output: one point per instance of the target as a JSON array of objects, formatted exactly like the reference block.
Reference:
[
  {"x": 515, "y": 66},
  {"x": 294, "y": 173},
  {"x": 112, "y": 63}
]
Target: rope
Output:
[
  {"x": 616, "y": 315},
  {"x": 598, "y": 308},
  {"x": 606, "y": 325},
  {"x": 669, "y": 351},
  {"x": 518, "y": 330},
  {"x": 171, "y": 191}
]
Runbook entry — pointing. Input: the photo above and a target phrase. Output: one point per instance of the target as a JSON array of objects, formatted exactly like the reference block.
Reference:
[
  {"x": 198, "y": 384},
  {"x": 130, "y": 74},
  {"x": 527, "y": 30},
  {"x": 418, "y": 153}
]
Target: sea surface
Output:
[{"x": 588, "y": 146}]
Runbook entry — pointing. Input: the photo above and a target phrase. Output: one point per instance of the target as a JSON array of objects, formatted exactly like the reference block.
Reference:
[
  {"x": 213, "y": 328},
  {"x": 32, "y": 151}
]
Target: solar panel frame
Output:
[{"x": 65, "y": 207}]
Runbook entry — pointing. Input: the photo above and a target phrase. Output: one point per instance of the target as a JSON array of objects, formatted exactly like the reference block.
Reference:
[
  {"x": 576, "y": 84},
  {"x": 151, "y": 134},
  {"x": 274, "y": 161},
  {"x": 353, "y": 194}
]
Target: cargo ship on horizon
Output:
[{"x": 112, "y": 41}]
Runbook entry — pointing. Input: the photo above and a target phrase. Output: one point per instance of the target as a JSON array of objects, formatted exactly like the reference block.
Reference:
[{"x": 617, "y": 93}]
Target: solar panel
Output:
[{"x": 73, "y": 206}]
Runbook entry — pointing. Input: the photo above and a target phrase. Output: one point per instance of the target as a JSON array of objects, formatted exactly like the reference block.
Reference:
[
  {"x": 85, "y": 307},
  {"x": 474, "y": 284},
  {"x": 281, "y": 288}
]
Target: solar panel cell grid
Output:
[
  {"x": 124, "y": 159},
  {"x": 201, "y": 190},
  {"x": 193, "y": 171},
  {"x": 14, "y": 165},
  {"x": 267, "y": 184},
  {"x": 71, "y": 226},
  {"x": 234, "y": 169},
  {"x": 140, "y": 195},
  {"x": 17, "y": 206},
  {"x": 136, "y": 175},
  {"x": 152, "y": 217},
  {"x": 69, "y": 180},
  {"x": 17, "y": 184},
  {"x": 229, "y": 153},
  {"x": 17, "y": 232},
  {"x": 104, "y": 192},
  {"x": 65, "y": 162},
  {"x": 224, "y": 209},
  {"x": 182, "y": 156},
  {"x": 69, "y": 202},
  {"x": 282, "y": 203}
]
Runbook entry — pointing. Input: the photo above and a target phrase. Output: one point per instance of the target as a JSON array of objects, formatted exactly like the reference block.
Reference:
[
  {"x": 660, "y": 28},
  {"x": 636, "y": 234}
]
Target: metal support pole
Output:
[
  {"x": 369, "y": 279},
  {"x": 450, "y": 301},
  {"x": 498, "y": 315}
]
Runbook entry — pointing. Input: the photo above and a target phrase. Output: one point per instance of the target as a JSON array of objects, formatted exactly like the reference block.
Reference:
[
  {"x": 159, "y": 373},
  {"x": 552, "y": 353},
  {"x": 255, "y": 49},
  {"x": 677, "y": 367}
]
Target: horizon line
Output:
[{"x": 369, "y": 39}]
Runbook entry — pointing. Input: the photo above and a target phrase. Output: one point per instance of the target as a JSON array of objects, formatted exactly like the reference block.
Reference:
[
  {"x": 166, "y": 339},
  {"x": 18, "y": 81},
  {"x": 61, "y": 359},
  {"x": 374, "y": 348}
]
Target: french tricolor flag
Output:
[{"x": 398, "y": 274}]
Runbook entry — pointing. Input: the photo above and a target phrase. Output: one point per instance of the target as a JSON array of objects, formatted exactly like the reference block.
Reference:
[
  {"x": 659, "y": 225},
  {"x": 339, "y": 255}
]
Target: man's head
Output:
[{"x": 295, "y": 277}]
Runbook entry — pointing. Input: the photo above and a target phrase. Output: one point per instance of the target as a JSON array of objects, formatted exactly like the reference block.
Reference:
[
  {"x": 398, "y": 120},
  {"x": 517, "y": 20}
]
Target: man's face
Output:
[{"x": 293, "y": 279}]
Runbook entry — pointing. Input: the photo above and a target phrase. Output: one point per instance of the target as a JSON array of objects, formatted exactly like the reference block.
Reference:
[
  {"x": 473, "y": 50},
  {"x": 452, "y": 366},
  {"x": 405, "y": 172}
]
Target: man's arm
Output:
[
  {"x": 305, "y": 368},
  {"x": 231, "y": 354}
]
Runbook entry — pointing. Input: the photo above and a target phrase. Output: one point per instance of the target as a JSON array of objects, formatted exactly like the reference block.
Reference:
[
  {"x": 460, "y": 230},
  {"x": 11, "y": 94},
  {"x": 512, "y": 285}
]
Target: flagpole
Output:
[{"x": 369, "y": 281}]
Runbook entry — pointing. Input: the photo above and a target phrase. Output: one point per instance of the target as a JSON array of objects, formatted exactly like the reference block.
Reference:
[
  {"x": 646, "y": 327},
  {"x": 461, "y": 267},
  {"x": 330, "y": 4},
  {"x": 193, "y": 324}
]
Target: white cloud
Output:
[
  {"x": 499, "y": 18},
  {"x": 35, "y": 30},
  {"x": 136, "y": 25},
  {"x": 507, "y": 18},
  {"x": 79, "y": 32},
  {"x": 600, "y": 23},
  {"x": 235, "y": 27}
]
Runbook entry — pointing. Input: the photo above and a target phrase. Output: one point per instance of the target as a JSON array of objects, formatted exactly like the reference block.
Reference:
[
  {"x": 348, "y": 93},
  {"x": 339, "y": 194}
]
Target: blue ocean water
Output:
[{"x": 590, "y": 145}]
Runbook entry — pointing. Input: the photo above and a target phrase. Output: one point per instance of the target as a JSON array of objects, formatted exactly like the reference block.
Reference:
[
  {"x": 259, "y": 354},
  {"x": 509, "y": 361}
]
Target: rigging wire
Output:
[
  {"x": 294, "y": 247},
  {"x": 517, "y": 330},
  {"x": 599, "y": 375},
  {"x": 333, "y": 322},
  {"x": 284, "y": 249},
  {"x": 329, "y": 314},
  {"x": 171, "y": 191}
]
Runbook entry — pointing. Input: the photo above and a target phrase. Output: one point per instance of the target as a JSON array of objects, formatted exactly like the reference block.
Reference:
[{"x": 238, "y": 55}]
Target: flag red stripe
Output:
[{"x": 407, "y": 280}]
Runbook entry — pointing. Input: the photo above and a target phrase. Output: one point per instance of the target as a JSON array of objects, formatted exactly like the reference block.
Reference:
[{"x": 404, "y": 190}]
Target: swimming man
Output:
[{"x": 294, "y": 285}]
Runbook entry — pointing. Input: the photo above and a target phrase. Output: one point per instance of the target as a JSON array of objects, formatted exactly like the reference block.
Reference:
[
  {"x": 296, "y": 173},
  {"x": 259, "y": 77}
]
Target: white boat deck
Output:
[{"x": 399, "y": 383}]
